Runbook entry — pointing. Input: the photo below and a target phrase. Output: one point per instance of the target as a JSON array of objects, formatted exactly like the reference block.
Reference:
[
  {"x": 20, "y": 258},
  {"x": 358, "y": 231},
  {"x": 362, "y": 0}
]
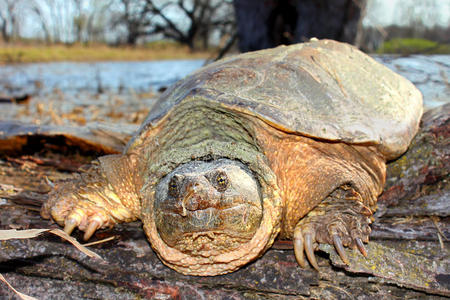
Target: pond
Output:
[
  {"x": 112, "y": 77},
  {"x": 429, "y": 73}
]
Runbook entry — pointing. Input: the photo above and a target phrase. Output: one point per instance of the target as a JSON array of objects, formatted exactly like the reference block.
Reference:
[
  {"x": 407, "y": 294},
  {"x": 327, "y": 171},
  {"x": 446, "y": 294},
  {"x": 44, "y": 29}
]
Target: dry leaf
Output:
[
  {"x": 21, "y": 296},
  {"x": 74, "y": 242},
  {"x": 20, "y": 234},
  {"x": 31, "y": 233}
]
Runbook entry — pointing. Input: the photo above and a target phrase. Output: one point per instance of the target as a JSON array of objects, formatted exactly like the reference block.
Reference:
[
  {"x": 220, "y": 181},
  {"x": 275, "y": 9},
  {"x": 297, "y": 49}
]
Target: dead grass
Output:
[{"x": 28, "y": 53}]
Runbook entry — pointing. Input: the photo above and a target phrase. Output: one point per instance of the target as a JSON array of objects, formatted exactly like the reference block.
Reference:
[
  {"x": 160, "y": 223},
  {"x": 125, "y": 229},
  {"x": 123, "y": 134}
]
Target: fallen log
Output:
[{"x": 410, "y": 235}]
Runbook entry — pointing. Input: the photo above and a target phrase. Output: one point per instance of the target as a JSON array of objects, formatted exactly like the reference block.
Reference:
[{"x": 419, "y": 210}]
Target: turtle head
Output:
[
  {"x": 206, "y": 212},
  {"x": 205, "y": 208}
]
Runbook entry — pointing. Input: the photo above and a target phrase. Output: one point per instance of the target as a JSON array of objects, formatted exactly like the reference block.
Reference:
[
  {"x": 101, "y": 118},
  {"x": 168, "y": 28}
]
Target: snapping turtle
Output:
[{"x": 289, "y": 142}]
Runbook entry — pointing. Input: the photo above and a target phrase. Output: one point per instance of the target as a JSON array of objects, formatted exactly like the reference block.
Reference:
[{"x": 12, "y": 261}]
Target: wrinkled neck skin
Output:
[{"x": 196, "y": 130}]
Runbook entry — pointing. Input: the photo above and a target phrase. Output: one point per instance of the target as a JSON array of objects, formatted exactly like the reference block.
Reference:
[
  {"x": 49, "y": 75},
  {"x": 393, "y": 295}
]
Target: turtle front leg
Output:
[
  {"x": 102, "y": 196},
  {"x": 340, "y": 220}
]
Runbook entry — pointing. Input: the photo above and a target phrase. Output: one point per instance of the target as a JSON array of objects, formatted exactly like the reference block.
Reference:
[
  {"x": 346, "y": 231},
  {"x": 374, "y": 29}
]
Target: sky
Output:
[
  {"x": 403, "y": 12},
  {"x": 379, "y": 13}
]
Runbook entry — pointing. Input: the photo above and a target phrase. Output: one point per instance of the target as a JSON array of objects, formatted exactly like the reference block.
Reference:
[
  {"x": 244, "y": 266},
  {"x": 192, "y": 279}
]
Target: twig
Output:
[{"x": 100, "y": 241}]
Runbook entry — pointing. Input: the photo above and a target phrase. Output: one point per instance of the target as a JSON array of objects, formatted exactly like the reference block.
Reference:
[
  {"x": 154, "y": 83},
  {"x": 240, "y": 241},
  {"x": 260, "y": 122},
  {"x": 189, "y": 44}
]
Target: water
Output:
[
  {"x": 72, "y": 77},
  {"x": 429, "y": 73}
]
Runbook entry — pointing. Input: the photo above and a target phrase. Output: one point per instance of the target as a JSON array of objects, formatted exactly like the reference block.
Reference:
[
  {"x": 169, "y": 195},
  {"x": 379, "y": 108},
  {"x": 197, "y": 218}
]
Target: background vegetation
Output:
[
  {"x": 87, "y": 30},
  {"x": 407, "y": 46},
  {"x": 26, "y": 53}
]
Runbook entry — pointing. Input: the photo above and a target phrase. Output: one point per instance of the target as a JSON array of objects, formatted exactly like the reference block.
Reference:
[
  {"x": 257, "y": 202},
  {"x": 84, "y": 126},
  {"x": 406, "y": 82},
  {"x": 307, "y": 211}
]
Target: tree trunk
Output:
[
  {"x": 5, "y": 35},
  {"x": 265, "y": 24}
]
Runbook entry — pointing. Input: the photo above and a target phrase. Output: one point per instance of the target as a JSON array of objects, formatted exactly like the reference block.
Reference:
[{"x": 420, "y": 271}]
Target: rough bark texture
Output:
[
  {"x": 265, "y": 24},
  {"x": 410, "y": 233}
]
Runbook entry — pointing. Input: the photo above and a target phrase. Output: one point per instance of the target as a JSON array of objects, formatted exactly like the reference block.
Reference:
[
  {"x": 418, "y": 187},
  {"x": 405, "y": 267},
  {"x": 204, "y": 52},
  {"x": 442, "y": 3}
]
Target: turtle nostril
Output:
[
  {"x": 195, "y": 202},
  {"x": 195, "y": 197},
  {"x": 192, "y": 205},
  {"x": 192, "y": 202},
  {"x": 195, "y": 186}
]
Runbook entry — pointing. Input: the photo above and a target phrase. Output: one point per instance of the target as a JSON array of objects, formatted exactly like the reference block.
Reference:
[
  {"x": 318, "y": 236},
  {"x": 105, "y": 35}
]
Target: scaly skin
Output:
[
  {"x": 329, "y": 190},
  {"x": 341, "y": 219},
  {"x": 103, "y": 195},
  {"x": 196, "y": 129}
]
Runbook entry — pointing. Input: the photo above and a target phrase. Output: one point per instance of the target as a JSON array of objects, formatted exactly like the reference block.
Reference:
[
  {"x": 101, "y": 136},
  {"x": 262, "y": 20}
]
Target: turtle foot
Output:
[
  {"x": 87, "y": 203},
  {"x": 87, "y": 219},
  {"x": 71, "y": 210},
  {"x": 340, "y": 220}
]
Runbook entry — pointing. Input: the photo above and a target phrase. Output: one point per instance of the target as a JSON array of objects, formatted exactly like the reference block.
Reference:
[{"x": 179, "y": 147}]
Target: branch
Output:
[
  {"x": 227, "y": 46},
  {"x": 189, "y": 13},
  {"x": 221, "y": 22},
  {"x": 169, "y": 22},
  {"x": 219, "y": 4}
]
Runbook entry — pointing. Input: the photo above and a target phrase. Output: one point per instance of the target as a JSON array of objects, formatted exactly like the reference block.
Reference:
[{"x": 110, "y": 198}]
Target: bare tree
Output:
[
  {"x": 79, "y": 20},
  {"x": 4, "y": 23},
  {"x": 195, "y": 23},
  {"x": 51, "y": 15},
  {"x": 91, "y": 19},
  {"x": 135, "y": 19},
  {"x": 185, "y": 21},
  {"x": 42, "y": 21},
  {"x": 99, "y": 21},
  {"x": 71, "y": 20},
  {"x": 9, "y": 26}
]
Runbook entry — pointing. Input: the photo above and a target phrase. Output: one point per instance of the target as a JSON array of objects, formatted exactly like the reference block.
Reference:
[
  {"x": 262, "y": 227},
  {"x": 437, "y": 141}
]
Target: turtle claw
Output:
[
  {"x": 90, "y": 202},
  {"x": 305, "y": 241},
  {"x": 92, "y": 227},
  {"x": 360, "y": 246},
  {"x": 69, "y": 225},
  {"x": 72, "y": 220},
  {"x": 310, "y": 251},
  {"x": 339, "y": 222},
  {"x": 87, "y": 219},
  {"x": 299, "y": 248},
  {"x": 340, "y": 248},
  {"x": 304, "y": 244}
]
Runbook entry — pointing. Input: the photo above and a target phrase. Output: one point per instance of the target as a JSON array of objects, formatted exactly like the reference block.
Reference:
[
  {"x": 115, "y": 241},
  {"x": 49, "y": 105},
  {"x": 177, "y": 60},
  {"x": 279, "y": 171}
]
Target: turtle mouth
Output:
[
  {"x": 200, "y": 213},
  {"x": 209, "y": 231},
  {"x": 210, "y": 243}
]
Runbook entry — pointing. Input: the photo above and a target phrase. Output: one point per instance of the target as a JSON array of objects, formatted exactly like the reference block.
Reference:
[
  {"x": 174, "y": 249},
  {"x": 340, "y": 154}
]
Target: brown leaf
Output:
[
  {"x": 21, "y": 296},
  {"x": 31, "y": 233}
]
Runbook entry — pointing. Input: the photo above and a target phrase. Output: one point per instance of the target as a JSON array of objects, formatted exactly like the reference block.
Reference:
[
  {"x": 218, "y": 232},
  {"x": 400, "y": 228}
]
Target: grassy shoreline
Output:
[
  {"x": 164, "y": 50},
  {"x": 407, "y": 46},
  {"x": 10, "y": 54}
]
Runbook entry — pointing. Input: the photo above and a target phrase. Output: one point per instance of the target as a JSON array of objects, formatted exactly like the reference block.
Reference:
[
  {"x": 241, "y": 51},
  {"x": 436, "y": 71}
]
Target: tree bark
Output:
[
  {"x": 265, "y": 24},
  {"x": 410, "y": 233}
]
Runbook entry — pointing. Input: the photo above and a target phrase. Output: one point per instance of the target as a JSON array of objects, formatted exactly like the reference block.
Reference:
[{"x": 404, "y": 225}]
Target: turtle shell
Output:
[{"x": 321, "y": 89}]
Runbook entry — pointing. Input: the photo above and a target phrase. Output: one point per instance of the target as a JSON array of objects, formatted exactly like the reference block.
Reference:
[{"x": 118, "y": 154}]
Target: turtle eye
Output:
[
  {"x": 174, "y": 186},
  {"x": 221, "y": 181}
]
